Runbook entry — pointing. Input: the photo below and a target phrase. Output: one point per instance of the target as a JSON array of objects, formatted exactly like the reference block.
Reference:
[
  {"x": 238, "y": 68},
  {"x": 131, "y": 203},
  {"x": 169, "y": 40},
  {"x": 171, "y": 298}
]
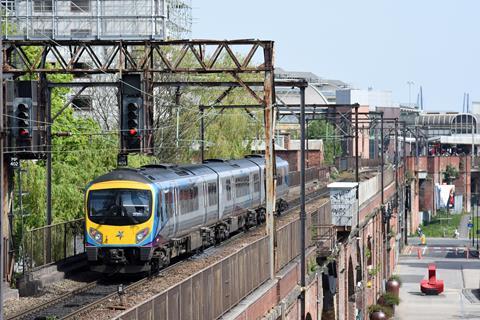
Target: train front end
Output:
[{"x": 120, "y": 225}]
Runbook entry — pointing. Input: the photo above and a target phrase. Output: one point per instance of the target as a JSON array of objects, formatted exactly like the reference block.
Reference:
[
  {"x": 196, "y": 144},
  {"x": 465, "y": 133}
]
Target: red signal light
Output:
[
  {"x": 132, "y": 132},
  {"x": 23, "y": 132}
]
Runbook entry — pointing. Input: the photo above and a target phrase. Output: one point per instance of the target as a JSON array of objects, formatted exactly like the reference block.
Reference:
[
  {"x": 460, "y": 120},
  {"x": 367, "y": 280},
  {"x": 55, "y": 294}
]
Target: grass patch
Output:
[{"x": 442, "y": 225}]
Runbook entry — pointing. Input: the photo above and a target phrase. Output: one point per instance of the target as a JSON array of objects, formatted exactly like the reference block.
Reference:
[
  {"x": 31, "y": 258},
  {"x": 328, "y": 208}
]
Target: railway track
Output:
[{"x": 104, "y": 291}]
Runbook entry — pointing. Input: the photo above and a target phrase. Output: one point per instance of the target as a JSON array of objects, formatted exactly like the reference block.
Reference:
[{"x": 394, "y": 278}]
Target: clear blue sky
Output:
[{"x": 378, "y": 43}]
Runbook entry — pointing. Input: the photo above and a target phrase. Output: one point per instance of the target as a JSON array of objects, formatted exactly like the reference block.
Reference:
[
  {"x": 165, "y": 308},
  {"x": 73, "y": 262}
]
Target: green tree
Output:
[
  {"x": 451, "y": 173},
  {"x": 321, "y": 129},
  {"x": 228, "y": 133}
]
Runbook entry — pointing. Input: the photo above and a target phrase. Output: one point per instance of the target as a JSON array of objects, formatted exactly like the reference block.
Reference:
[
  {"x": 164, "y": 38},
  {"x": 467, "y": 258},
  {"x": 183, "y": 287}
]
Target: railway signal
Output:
[
  {"x": 22, "y": 112},
  {"x": 132, "y": 123},
  {"x": 132, "y": 114},
  {"x": 24, "y": 118}
]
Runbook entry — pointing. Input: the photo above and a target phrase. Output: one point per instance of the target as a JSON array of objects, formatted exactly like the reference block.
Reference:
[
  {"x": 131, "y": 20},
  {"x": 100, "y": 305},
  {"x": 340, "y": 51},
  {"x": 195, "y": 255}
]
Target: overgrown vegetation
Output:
[
  {"x": 321, "y": 129},
  {"x": 442, "y": 225}
]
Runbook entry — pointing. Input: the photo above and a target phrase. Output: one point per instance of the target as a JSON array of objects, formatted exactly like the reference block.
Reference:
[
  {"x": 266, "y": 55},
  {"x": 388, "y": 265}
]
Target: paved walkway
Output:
[
  {"x": 463, "y": 228},
  {"x": 459, "y": 274}
]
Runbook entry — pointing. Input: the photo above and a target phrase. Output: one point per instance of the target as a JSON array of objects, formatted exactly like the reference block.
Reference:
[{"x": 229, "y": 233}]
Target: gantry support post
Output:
[
  {"x": 302, "y": 203},
  {"x": 269, "y": 170}
]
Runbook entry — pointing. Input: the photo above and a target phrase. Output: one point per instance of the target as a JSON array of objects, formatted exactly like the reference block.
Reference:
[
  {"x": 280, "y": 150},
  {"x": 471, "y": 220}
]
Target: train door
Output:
[
  {"x": 212, "y": 200},
  {"x": 226, "y": 196},
  {"x": 176, "y": 211},
  {"x": 204, "y": 207},
  {"x": 169, "y": 198}
]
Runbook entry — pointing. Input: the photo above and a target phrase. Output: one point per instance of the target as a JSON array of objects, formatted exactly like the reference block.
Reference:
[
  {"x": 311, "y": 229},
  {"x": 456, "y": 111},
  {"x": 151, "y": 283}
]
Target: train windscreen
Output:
[{"x": 119, "y": 207}]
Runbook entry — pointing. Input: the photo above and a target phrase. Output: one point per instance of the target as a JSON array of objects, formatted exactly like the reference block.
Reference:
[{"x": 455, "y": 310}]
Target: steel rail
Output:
[
  {"x": 45, "y": 305},
  {"x": 314, "y": 195}
]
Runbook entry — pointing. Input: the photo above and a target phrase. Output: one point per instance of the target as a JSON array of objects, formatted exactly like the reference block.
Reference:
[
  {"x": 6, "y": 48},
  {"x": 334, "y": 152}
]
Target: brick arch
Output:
[
  {"x": 350, "y": 290},
  {"x": 359, "y": 275}
]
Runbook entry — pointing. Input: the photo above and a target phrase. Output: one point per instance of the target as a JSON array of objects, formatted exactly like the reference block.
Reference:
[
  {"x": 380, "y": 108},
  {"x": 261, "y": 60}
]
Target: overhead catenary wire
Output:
[{"x": 211, "y": 111}]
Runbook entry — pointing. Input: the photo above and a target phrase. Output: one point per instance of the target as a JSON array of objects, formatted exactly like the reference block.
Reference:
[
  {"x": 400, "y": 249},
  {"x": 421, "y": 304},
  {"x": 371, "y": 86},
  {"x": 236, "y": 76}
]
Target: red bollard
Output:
[{"x": 432, "y": 286}]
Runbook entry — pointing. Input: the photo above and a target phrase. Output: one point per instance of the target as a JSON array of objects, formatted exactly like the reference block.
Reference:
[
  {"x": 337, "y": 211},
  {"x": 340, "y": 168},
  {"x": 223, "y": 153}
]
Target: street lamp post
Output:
[{"x": 410, "y": 83}]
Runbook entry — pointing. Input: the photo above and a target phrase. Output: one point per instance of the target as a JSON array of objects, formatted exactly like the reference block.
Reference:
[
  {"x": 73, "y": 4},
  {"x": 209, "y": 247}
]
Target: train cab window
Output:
[
  {"x": 256, "y": 183},
  {"x": 228, "y": 187},
  {"x": 188, "y": 199},
  {"x": 212, "y": 194},
  {"x": 119, "y": 206}
]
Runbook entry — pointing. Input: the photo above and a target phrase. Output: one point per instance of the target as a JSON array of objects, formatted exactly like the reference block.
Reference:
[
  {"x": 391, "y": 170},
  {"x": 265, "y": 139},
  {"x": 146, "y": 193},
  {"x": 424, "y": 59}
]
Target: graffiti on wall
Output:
[{"x": 343, "y": 201}]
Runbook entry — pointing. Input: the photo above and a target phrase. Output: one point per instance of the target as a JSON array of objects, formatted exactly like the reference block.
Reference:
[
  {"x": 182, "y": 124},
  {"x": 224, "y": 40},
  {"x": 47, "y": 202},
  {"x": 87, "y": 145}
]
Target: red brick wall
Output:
[
  {"x": 314, "y": 158},
  {"x": 435, "y": 166}
]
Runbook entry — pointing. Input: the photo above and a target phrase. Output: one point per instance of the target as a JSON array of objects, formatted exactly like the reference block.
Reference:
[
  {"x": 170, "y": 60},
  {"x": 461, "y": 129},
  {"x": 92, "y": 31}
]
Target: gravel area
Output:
[
  {"x": 187, "y": 268},
  {"x": 49, "y": 293}
]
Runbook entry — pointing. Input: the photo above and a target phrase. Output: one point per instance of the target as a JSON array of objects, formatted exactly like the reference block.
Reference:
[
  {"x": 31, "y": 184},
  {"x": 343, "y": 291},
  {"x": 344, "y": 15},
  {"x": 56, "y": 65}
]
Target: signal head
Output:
[{"x": 132, "y": 107}]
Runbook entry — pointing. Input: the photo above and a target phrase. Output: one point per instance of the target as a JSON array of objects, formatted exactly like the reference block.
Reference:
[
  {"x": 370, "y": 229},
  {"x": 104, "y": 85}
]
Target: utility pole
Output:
[
  {"x": 269, "y": 154},
  {"x": 2, "y": 175},
  {"x": 302, "y": 203},
  {"x": 410, "y": 83}
]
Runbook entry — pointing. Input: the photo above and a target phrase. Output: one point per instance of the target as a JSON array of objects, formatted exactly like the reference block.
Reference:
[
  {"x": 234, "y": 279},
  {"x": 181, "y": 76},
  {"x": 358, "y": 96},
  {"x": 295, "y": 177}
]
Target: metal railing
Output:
[
  {"x": 325, "y": 237},
  {"x": 66, "y": 240}
]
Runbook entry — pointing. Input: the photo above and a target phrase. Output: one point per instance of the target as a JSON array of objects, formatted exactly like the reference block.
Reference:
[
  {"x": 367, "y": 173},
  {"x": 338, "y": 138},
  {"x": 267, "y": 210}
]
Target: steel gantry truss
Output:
[
  {"x": 123, "y": 56},
  {"x": 178, "y": 64}
]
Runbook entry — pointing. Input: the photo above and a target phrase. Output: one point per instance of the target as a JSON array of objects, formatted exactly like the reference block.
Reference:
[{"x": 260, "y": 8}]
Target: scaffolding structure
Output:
[{"x": 96, "y": 19}]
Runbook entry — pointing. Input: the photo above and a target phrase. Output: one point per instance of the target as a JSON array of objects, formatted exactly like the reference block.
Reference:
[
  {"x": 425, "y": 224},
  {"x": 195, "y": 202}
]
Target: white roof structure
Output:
[{"x": 342, "y": 185}]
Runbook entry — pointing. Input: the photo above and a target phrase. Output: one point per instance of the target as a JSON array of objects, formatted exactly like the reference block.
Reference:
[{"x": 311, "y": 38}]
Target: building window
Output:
[
  {"x": 80, "y": 5},
  {"x": 42, "y": 6},
  {"x": 80, "y": 33}
]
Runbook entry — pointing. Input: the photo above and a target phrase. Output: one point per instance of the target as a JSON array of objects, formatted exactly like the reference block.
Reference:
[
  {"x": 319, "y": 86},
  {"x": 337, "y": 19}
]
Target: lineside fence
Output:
[
  {"x": 216, "y": 289},
  {"x": 66, "y": 241}
]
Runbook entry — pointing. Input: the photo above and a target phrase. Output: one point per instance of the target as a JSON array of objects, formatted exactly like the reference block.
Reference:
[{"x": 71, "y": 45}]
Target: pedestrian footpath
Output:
[{"x": 463, "y": 227}]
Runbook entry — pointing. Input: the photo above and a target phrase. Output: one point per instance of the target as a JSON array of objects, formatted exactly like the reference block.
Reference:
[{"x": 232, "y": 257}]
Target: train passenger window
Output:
[
  {"x": 188, "y": 198},
  {"x": 256, "y": 182},
  {"x": 279, "y": 177},
  {"x": 228, "y": 186},
  {"x": 242, "y": 186},
  {"x": 212, "y": 194}
]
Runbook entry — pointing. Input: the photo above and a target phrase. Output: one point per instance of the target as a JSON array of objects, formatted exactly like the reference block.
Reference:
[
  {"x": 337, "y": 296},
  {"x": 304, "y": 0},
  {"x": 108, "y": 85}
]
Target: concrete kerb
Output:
[{"x": 32, "y": 282}]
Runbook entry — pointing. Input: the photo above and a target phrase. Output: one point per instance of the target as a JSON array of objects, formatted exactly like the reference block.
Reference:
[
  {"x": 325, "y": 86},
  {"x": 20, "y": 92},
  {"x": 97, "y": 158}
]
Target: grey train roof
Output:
[{"x": 167, "y": 172}]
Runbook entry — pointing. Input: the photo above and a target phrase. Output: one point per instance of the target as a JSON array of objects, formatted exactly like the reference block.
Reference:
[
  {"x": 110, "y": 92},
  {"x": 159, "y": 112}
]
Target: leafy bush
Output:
[
  {"x": 389, "y": 299},
  {"x": 381, "y": 308},
  {"x": 396, "y": 277}
]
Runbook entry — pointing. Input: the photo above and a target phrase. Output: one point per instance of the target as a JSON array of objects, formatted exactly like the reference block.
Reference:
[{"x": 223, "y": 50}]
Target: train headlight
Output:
[
  {"x": 141, "y": 235},
  {"x": 96, "y": 235}
]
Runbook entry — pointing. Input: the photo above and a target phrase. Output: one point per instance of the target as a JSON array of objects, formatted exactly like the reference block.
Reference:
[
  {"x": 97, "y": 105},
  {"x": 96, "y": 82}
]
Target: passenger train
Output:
[{"x": 138, "y": 219}]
